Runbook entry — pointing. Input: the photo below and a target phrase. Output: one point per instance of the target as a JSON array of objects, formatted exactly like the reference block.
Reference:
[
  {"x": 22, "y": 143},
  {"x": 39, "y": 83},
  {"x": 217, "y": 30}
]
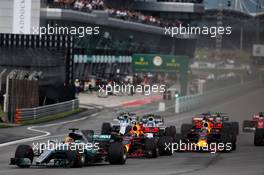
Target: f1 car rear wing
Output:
[
  {"x": 155, "y": 118},
  {"x": 216, "y": 118},
  {"x": 150, "y": 129},
  {"x": 258, "y": 117}
]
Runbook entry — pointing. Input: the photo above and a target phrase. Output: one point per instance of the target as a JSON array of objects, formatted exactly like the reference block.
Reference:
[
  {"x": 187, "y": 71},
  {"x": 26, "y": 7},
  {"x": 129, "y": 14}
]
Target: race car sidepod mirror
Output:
[{"x": 226, "y": 118}]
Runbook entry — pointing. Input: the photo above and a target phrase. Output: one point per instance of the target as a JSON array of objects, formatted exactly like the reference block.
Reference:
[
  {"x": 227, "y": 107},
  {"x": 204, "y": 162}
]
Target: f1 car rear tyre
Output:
[
  {"x": 171, "y": 131},
  {"x": 226, "y": 137},
  {"x": 234, "y": 140},
  {"x": 185, "y": 129},
  {"x": 151, "y": 149},
  {"x": 179, "y": 139},
  {"x": 235, "y": 127},
  {"x": 117, "y": 153},
  {"x": 24, "y": 151},
  {"x": 76, "y": 159},
  {"x": 259, "y": 137},
  {"x": 106, "y": 129},
  {"x": 163, "y": 144}
]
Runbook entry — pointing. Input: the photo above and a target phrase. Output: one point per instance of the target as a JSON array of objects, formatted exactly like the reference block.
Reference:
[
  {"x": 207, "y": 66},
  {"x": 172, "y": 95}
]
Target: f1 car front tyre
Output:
[
  {"x": 151, "y": 149},
  {"x": 24, "y": 151},
  {"x": 117, "y": 153},
  {"x": 259, "y": 137},
  {"x": 75, "y": 159}
]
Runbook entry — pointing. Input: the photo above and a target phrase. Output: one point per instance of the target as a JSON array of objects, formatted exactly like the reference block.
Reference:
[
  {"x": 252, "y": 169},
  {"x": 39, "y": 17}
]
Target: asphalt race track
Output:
[{"x": 246, "y": 160}]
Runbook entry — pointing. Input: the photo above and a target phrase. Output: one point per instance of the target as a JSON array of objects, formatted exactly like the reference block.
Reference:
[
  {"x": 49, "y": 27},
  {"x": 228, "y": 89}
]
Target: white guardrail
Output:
[
  {"x": 187, "y": 103},
  {"x": 44, "y": 111}
]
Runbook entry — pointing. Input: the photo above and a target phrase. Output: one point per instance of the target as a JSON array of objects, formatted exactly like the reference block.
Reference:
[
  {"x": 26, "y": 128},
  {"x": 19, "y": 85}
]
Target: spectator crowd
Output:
[
  {"x": 134, "y": 16},
  {"x": 82, "y": 5}
]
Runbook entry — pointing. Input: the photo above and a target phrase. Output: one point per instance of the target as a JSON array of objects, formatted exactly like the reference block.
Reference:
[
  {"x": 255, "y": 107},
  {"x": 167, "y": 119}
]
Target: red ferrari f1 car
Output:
[{"x": 256, "y": 125}]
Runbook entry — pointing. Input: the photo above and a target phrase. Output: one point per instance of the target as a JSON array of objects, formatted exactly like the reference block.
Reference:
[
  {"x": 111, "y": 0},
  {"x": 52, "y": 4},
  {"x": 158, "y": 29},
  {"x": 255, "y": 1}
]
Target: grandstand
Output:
[
  {"x": 122, "y": 27},
  {"x": 129, "y": 27}
]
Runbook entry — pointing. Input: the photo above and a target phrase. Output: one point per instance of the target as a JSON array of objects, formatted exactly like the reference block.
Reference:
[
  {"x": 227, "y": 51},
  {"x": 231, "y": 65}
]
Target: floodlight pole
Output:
[
  {"x": 219, "y": 38},
  {"x": 241, "y": 36},
  {"x": 258, "y": 10},
  {"x": 1, "y": 77}
]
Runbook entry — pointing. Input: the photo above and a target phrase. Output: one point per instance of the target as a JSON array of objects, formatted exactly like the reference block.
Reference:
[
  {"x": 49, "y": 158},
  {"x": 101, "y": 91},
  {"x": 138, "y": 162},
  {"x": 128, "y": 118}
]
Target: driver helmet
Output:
[{"x": 68, "y": 140}]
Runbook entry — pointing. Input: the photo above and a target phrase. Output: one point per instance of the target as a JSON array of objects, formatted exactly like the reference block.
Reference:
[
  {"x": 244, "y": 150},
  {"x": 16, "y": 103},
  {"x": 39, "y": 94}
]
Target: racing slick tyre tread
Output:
[
  {"x": 226, "y": 136},
  {"x": 234, "y": 140},
  {"x": 75, "y": 159},
  {"x": 151, "y": 148},
  {"x": 179, "y": 139},
  {"x": 24, "y": 151},
  {"x": 258, "y": 137},
  {"x": 235, "y": 127},
  {"x": 162, "y": 142},
  {"x": 117, "y": 154},
  {"x": 171, "y": 131},
  {"x": 106, "y": 129}
]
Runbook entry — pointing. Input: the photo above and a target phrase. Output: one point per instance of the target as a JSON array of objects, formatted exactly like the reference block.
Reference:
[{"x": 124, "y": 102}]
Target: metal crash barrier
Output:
[
  {"x": 187, "y": 103},
  {"x": 44, "y": 111}
]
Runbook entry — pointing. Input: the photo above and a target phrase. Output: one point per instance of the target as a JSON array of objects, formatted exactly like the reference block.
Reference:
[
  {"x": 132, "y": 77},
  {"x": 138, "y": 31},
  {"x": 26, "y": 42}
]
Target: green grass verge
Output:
[
  {"x": 1, "y": 113},
  {"x": 53, "y": 117},
  {"x": 4, "y": 126}
]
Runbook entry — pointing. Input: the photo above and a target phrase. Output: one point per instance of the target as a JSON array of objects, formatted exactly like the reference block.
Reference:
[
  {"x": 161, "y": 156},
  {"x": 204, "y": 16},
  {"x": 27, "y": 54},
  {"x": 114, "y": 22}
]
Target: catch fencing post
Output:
[
  {"x": 34, "y": 113},
  {"x": 161, "y": 106},
  {"x": 177, "y": 106},
  {"x": 73, "y": 105}
]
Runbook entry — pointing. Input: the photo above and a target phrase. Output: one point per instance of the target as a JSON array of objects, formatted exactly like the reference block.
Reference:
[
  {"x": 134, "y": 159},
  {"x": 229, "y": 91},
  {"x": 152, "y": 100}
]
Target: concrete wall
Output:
[{"x": 168, "y": 7}]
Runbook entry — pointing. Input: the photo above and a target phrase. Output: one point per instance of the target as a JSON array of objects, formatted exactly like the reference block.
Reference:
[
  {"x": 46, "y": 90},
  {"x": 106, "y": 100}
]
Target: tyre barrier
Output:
[{"x": 25, "y": 114}]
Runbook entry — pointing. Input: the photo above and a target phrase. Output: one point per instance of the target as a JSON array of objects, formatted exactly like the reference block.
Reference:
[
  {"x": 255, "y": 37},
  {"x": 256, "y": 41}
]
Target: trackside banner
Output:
[
  {"x": 258, "y": 50},
  {"x": 174, "y": 64},
  {"x": 22, "y": 17},
  {"x": 159, "y": 63}
]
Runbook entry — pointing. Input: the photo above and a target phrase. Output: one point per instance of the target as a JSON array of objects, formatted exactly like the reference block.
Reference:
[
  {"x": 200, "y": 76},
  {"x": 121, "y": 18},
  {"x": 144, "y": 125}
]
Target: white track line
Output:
[
  {"x": 46, "y": 133},
  {"x": 27, "y": 139}
]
